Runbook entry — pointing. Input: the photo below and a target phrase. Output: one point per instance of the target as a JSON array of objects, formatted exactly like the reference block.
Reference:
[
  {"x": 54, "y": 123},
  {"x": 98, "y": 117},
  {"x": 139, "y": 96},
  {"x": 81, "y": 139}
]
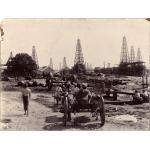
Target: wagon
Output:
[
  {"x": 53, "y": 82},
  {"x": 95, "y": 107}
]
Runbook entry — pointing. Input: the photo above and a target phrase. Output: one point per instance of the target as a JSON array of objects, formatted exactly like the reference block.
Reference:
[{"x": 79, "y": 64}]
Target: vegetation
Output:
[
  {"x": 79, "y": 69},
  {"x": 21, "y": 65},
  {"x": 97, "y": 70}
]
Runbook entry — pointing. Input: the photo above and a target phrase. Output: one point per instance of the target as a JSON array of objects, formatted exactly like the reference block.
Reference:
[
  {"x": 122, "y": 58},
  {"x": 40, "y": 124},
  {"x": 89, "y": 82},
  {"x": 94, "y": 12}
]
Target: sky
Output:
[{"x": 101, "y": 39}]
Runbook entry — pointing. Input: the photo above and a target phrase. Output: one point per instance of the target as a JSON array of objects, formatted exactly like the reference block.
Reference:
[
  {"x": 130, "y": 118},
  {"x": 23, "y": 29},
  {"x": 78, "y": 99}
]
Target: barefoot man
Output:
[{"x": 26, "y": 95}]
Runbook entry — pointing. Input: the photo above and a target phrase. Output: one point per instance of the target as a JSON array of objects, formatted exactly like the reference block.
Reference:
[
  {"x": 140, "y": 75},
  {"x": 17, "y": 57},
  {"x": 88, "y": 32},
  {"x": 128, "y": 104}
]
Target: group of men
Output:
[
  {"x": 79, "y": 91},
  {"x": 141, "y": 97}
]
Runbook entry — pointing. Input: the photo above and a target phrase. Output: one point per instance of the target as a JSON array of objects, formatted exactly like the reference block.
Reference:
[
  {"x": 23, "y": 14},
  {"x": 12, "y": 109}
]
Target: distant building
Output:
[{"x": 44, "y": 70}]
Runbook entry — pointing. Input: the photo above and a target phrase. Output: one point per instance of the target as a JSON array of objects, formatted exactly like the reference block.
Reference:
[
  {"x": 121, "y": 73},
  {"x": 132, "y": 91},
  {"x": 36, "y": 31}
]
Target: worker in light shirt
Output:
[
  {"x": 26, "y": 95},
  {"x": 145, "y": 96}
]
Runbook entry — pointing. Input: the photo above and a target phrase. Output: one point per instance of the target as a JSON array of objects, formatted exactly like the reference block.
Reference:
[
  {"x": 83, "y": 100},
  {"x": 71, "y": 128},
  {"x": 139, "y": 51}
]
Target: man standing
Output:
[
  {"x": 26, "y": 95},
  {"x": 145, "y": 96}
]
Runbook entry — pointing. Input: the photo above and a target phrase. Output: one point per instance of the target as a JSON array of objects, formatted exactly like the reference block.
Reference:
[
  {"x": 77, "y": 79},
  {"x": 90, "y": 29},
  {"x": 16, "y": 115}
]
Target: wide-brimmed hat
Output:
[
  {"x": 74, "y": 83},
  {"x": 84, "y": 85}
]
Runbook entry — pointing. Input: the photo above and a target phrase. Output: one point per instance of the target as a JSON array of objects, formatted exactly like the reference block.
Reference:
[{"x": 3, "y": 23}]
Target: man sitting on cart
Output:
[
  {"x": 58, "y": 93},
  {"x": 83, "y": 96}
]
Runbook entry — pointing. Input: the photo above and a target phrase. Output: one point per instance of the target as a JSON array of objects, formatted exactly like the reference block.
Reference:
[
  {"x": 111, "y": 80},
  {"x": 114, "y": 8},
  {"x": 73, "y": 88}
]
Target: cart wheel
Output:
[
  {"x": 65, "y": 115},
  {"x": 100, "y": 115},
  {"x": 65, "y": 119}
]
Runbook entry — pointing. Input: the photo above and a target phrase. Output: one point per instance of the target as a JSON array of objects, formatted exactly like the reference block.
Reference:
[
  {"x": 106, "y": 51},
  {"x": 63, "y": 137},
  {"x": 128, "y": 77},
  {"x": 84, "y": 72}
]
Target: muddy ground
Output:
[{"x": 44, "y": 115}]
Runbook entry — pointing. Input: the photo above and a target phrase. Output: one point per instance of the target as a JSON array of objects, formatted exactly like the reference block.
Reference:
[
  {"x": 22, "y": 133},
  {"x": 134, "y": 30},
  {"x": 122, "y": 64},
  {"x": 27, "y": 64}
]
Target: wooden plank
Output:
[
  {"x": 121, "y": 92},
  {"x": 127, "y": 93},
  {"x": 130, "y": 102}
]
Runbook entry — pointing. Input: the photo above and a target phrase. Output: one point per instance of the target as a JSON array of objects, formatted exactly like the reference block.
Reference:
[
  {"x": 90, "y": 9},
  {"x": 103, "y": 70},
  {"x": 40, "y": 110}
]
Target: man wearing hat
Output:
[{"x": 83, "y": 95}]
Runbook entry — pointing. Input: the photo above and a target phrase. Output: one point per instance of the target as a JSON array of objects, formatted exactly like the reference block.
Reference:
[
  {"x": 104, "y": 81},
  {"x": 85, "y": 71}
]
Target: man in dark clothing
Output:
[
  {"x": 83, "y": 96},
  {"x": 26, "y": 95}
]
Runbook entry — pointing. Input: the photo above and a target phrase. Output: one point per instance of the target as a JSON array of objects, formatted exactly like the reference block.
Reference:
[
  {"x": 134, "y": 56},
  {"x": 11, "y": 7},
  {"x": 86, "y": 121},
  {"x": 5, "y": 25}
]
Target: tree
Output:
[
  {"x": 65, "y": 71},
  {"x": 79, "y": 69},
  {"x": 97, "y": 70},
  {"x": 21, "y": 65}
]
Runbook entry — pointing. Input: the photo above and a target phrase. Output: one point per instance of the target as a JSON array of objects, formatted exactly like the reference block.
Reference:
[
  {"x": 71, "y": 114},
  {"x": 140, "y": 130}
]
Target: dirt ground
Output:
[{"x": 44, "y": 116}]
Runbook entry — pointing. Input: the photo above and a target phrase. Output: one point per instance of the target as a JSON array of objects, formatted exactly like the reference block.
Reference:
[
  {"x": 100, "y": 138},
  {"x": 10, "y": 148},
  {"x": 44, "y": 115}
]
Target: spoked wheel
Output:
[
  {"x": 100, "y": 115},
  {"x": 65, "y": 118},
  {"x": 102, "y": 111},
  {"x": 66, "y": 111}
]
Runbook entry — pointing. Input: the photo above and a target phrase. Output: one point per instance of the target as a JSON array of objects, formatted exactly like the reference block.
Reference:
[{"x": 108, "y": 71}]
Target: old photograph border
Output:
[{"x": 132, "y": 140}]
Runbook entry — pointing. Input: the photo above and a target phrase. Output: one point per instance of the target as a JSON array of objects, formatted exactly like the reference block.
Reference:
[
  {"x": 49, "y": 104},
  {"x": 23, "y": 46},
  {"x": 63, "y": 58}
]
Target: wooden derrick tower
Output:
[
  {"x": 34, "y": 56},
  {"x": 124, "y": 58},
  {"x": 78, "y": 55}
]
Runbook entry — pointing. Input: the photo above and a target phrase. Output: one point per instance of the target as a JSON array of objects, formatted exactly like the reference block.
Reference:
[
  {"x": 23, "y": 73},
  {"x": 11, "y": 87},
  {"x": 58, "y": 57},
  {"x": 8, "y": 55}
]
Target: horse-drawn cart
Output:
[{"x": 95, "y": 107}]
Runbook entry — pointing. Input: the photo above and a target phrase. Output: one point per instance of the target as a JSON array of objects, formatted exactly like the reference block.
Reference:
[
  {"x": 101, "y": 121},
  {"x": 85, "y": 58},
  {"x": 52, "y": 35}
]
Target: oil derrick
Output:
[
  {"x": 139, "y": 56},
  {"x": 59, "y": 65},
  {"x": 104, "y": 64},
  {"x": 90, "y": 67},
  {"x": 132, "y": 55},
  {"x": 108, "y": 65},
  {"x": 87, "y": 65},
  {"x": 10, "y": 57},
  {"x": 64, "y": 63},
  {"x": 78, "y": 55},
  {"x": 124, "y": 58},
  {"x": 34, "y": 56},
  {"x": 51, "y": 63}
]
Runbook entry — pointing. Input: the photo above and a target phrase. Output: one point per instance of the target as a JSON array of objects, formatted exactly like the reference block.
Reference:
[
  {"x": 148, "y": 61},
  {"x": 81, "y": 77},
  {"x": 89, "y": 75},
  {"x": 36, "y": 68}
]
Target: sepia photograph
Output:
[{"x": 74, "y": 74}]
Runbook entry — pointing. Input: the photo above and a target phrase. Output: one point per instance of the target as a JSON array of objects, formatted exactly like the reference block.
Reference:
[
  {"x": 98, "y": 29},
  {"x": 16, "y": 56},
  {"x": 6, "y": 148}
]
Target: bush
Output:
[
  {"x": 5, "y": 79},
  {"x": 35, "y": 83},
  {"x": 28, "y": 78},
  {"x": 21, "y": 83}
]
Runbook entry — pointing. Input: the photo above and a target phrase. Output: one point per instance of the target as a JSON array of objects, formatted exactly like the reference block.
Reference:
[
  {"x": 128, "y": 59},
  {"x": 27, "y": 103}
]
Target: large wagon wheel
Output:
[
  {"x": 50, "y": 85},
  {"x": 101, "y": 115},
  {"x": 67, "y": 113},
  {"x": 100, "y": 111}
]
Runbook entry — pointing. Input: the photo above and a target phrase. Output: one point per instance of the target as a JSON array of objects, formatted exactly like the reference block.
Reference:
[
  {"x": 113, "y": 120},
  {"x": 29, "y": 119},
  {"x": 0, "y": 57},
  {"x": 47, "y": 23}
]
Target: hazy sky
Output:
[{"x": 101, "y": 39}]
